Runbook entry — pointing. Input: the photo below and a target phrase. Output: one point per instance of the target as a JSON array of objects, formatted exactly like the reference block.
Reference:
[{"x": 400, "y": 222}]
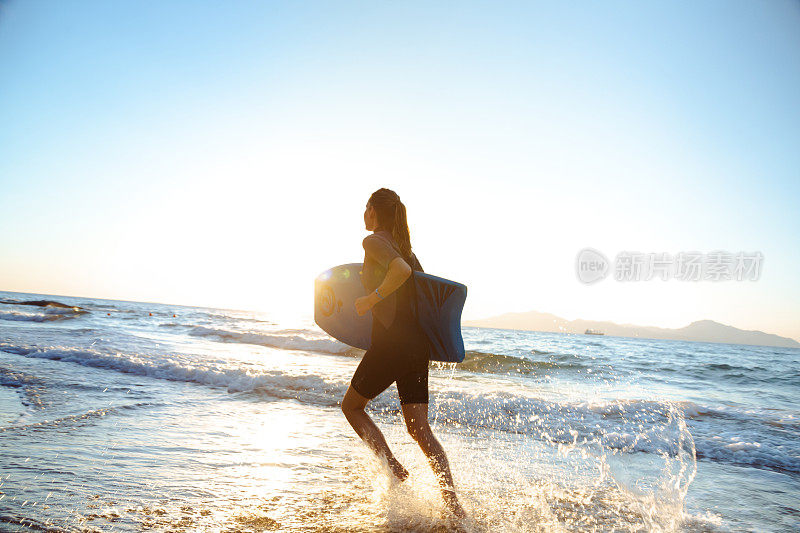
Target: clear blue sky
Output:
[{"x": 221, "y": 153}]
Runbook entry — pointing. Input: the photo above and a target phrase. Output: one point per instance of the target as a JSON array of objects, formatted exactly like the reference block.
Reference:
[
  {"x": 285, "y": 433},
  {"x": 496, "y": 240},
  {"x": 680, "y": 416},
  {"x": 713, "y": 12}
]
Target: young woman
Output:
[{"x": 398, "y": 350}]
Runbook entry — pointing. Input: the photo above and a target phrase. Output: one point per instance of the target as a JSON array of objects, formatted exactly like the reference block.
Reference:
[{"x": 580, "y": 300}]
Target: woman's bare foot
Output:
[
  {"x": 452, "y": 504},
  {"x": 398, "y": 470}
]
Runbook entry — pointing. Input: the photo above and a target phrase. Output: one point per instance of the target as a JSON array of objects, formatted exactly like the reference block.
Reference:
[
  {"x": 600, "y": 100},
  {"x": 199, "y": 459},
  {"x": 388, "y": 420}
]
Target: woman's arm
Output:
[{"x": 398, "y": 273}]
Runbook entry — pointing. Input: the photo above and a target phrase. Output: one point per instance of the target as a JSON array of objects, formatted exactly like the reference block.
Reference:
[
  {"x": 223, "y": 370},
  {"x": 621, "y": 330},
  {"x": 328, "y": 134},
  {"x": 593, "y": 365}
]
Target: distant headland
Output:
[{"x": 700, "y": 331}]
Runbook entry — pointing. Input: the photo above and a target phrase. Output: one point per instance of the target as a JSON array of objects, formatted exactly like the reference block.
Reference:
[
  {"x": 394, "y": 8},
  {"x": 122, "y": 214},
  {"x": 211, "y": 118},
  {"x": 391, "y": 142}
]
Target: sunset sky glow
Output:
[{"x": 220, "y": 154}]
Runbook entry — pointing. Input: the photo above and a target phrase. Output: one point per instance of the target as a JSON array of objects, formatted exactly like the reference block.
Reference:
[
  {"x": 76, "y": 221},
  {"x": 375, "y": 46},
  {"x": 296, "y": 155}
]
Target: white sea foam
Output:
[
  {"x": 45, "y": 315},
  {"x": 212, "y": 373},
  {"x": 284, "y": 339},
  {"x": 24, "y": 317},
  {"x": 743, "y": 446}
]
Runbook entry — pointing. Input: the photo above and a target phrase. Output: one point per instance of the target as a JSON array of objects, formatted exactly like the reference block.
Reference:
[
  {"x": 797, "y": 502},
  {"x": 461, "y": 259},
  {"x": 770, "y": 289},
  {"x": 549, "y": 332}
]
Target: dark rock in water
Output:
[{"x": 41, "y": 303}]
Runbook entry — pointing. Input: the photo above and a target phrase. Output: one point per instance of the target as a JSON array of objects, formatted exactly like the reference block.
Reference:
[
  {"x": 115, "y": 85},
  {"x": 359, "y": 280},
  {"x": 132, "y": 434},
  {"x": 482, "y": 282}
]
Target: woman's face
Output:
[{"x": 370, "y": 218}]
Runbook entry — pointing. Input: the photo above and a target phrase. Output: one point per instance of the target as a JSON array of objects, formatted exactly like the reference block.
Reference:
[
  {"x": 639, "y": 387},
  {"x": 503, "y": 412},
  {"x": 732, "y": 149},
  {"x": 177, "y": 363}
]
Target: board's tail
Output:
[{"x": 439, "y": 305}]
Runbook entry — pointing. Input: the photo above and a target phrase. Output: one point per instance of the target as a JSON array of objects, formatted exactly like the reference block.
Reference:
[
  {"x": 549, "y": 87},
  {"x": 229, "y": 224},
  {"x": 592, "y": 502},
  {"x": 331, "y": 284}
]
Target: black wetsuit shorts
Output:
[{"x": 397, "y": 354}]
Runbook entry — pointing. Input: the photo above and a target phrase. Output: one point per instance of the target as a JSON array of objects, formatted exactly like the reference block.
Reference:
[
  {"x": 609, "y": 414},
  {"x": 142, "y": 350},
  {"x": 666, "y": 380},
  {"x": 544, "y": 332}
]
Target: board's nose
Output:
[{"x": 326, "y": 299}]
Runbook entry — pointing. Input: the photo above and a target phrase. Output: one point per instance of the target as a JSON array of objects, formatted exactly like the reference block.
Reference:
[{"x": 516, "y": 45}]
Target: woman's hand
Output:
[{"x": 365, "y": 303}]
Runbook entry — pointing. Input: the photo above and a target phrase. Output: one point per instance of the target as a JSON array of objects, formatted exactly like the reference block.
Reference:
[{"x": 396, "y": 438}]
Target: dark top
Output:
[{"x": 379, "y": 250}]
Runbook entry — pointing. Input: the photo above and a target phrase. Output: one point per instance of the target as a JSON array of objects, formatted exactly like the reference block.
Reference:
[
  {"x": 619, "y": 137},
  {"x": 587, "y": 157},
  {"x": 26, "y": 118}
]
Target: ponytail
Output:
[{"x": 400, "y": 231}]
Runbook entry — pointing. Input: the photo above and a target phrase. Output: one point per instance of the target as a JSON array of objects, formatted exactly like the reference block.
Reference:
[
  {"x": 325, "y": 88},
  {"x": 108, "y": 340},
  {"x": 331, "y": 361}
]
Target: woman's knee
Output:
[
  {"x": 419, "y": 429},
  {"x": 416, "y": 417},
  {"x": 353, "y": 401}
]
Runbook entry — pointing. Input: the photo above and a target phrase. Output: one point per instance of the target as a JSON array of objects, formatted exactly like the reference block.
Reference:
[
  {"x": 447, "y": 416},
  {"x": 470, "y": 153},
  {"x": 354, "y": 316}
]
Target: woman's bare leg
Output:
[
  {"x": 353, "y": 406},
  {"x": 416, "y": 415}
]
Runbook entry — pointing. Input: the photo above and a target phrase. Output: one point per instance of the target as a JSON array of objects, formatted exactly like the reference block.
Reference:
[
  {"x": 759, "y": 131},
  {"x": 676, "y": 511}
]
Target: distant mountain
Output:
[{"x": 700, "y": 331}]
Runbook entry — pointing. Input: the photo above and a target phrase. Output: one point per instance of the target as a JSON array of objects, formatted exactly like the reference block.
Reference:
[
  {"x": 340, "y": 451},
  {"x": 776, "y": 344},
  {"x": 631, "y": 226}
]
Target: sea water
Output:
[{"x": 123, "y": 416}]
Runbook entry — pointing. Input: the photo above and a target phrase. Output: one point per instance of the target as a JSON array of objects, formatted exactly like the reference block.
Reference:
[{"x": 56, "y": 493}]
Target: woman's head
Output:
[{"x": 385, "y": 211}]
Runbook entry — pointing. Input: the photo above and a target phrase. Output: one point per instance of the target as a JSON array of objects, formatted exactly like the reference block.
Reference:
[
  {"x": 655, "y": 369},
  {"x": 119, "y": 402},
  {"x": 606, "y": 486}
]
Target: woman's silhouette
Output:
[{"x": 398, "y": 350}]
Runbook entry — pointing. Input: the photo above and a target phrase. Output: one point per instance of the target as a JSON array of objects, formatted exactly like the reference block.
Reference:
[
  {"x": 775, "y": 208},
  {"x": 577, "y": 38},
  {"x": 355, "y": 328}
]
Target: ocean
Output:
[{"x": 127, "y": 416}]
